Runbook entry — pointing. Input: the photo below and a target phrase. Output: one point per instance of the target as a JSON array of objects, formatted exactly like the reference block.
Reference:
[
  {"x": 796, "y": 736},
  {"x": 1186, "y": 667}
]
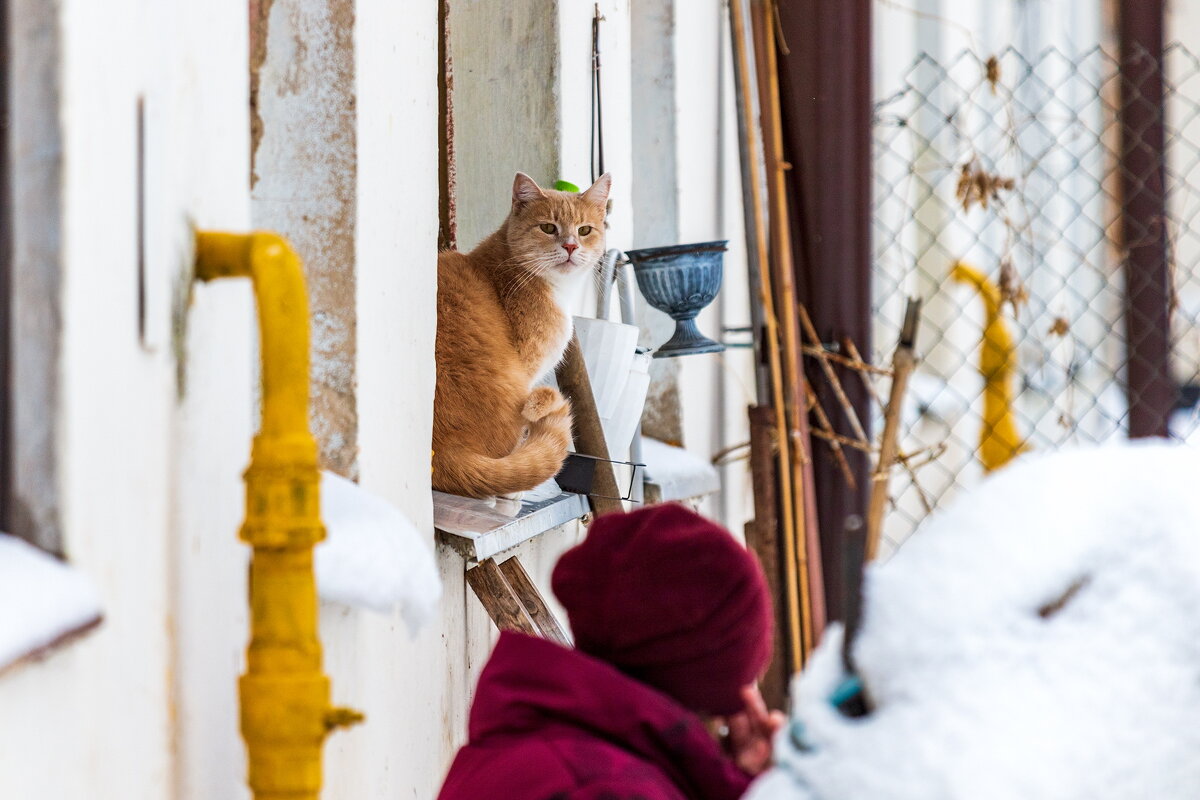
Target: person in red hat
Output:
[{"x": 672, "y": 625}]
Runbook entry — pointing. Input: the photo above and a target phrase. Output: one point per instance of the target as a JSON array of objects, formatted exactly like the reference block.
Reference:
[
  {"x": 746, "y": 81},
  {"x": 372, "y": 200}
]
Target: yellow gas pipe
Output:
[
  {"x": 285, "y": 708},
  {"x": 999, "y": 440}
]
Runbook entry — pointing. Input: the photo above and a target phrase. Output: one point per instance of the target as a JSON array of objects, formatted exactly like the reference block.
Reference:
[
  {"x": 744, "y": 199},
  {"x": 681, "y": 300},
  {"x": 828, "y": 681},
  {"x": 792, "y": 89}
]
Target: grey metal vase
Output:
[{"x": 681, "y": 280}]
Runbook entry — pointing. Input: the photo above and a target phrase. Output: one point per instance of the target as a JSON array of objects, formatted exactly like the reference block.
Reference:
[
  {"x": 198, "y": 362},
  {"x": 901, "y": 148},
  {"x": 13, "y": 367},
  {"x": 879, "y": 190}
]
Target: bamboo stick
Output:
[
  {"x": 905, "y": 459},
  {"x": 853, "y": 362},
  {"x": 788, "y": 499},
  {"x": 903, "y": 362},
  {"x": 834, "y": 382},
  {"x": 824, "y": 425},
  {"x": 765, "y": 20}
]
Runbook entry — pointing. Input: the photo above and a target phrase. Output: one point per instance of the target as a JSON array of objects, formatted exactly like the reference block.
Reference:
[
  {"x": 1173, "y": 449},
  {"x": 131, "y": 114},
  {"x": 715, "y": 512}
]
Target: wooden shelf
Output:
[{"x": 479, "y": 531}]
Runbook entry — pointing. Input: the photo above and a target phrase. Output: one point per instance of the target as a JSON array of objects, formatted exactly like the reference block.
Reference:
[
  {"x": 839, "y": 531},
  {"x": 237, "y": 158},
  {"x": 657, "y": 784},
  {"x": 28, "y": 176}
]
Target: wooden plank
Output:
[
  {"x": 763, "y": 537},
  {"x": 575, "y": 384},
  {"x": 498, "y": 598},
  {"x": 532, "y": 602}
]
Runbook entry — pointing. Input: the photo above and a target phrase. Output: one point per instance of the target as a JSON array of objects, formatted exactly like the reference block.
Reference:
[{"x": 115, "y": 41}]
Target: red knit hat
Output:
[{"x": 672, "y": 600}]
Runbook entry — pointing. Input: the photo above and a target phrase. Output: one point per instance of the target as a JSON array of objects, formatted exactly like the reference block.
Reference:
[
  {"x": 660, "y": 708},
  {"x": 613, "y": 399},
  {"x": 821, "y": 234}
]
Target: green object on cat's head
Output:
[{"x": 566, "y": 186}]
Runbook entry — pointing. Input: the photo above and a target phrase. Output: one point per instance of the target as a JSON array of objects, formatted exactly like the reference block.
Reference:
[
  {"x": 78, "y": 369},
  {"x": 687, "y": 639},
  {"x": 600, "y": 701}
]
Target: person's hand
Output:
[{"x": 751, "y": 732}]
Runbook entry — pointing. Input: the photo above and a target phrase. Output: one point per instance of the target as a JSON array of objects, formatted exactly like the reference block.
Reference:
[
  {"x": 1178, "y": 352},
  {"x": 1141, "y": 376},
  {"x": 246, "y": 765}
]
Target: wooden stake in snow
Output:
[{"x": 904, "y": 360}]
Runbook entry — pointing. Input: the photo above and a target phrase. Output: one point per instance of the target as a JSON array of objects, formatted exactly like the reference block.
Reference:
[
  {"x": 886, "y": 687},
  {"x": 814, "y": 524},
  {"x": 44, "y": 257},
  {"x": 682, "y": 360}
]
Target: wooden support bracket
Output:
[{"x": 512, "y": 601}]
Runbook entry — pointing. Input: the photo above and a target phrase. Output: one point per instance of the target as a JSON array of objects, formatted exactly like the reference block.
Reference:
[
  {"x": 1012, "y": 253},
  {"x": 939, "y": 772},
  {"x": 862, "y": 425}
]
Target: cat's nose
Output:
[{"x": 570, "y": 248}]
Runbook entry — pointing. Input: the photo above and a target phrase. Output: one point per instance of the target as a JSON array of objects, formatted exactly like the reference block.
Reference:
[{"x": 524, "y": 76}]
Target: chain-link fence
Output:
[{"x": 998, "y": 192}]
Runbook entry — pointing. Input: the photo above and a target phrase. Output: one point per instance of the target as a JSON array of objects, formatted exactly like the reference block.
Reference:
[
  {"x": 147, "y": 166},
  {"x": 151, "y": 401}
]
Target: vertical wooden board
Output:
[{"x": 762, "y": 537}]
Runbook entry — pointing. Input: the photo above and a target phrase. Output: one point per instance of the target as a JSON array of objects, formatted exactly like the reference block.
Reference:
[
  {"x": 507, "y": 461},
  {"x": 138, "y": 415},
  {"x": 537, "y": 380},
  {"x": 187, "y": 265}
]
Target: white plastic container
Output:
[
  {"x": 620, "y": 377},
  {"x": 608, "y": 350}
]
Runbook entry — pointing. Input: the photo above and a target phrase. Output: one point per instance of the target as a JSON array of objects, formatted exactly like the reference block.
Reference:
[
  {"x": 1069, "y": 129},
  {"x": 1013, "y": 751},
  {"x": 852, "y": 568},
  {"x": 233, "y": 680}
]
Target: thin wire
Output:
[{"x": 597, "y": 133}]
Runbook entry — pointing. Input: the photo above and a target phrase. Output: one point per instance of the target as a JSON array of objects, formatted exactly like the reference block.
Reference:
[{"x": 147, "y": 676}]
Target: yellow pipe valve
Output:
[{"x": 285, "y": 708}]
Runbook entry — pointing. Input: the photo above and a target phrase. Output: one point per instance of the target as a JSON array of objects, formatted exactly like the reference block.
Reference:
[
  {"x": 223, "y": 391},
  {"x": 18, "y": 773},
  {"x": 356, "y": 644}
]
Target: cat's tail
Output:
[{"x": 534, "y": 461}]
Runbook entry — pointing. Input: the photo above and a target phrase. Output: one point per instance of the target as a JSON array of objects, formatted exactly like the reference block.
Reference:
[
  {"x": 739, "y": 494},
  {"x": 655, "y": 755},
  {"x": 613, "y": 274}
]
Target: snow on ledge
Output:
[
  {"x": 373, "y": 557},
  {"x": 42, "y": 601},
  {"x": 677, "y": 473}
]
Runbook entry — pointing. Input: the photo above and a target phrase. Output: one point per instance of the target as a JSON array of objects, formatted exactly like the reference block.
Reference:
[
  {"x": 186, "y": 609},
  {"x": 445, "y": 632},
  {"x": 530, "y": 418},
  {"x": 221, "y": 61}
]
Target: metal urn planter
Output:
[{"x": 681, "y": 280}]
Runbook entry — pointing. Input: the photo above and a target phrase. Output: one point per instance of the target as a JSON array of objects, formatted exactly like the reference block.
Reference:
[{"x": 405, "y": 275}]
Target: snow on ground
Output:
[
  {"x": 1040, "y": 638},
  {"x": 42, "y": 600},
  {"x": 373, "y": 557}
]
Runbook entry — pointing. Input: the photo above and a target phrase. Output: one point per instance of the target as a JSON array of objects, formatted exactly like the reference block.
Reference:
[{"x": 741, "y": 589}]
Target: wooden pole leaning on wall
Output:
[
  {"x": 770, "y": 472},
  {"x": 904, "y": 361},
  {"x": 798, "y": 469}
]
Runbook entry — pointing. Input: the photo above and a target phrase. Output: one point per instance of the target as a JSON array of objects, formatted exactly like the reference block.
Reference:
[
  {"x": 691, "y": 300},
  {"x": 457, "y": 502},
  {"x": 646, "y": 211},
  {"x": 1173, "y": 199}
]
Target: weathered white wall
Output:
[
  {"x": 145, "y": 472},
  {"x": 304, "y": 187},
  {"x": 687, "y": 188},
  {"x": 506, "y": 78},
  {"x": 406, "y": 687},
  {"x": 154, "y": 431}
]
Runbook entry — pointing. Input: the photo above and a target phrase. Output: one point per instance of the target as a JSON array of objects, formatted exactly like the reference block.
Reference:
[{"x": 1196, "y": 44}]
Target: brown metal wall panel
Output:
[
  {"x": 825, "y": 81},
  {"x": 1149, "y": 386}
]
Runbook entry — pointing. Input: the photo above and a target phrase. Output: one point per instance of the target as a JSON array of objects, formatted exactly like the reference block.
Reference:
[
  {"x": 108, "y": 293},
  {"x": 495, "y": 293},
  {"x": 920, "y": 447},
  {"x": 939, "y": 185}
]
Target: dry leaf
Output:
[
  {"x": 1060, "y": 327},
  {"x": 976, "y": 185},
  {"x": 1012, "y": 290},
  {"x": 993, "y": 72}
]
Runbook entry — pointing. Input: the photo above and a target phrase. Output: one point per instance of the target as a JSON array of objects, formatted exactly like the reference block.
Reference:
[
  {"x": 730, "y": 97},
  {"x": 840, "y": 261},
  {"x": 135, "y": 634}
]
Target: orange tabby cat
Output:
[{"x": 502, "y": 326}]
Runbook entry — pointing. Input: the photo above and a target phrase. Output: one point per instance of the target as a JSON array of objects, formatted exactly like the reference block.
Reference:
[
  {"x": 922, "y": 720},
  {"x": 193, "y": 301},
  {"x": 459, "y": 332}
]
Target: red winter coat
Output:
[{"x": 549, "y": 723}]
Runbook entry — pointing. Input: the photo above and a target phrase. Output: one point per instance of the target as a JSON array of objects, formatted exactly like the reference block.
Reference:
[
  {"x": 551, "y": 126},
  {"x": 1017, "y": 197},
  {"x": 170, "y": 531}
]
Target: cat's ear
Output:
[
  {"x": 525, "y": 190},
  {"x": 597, "y": 193}
]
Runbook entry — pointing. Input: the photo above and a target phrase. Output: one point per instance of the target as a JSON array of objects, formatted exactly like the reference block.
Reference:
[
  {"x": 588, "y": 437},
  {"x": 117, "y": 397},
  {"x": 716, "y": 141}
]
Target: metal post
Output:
[
  {"x": 1149, "y": 386},
  {"x": 825, "y": 80}
]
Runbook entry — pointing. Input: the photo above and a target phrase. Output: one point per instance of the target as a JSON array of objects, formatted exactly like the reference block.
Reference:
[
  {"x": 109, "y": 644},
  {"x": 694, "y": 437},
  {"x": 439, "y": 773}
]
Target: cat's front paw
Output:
[{"x": 543, "y": 402}]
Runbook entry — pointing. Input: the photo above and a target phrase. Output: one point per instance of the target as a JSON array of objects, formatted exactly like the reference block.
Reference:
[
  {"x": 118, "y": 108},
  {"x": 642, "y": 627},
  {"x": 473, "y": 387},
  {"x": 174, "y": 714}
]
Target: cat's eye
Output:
[
  {"x": 549, "y": 227},
  {"x": 585, "y": 230}
]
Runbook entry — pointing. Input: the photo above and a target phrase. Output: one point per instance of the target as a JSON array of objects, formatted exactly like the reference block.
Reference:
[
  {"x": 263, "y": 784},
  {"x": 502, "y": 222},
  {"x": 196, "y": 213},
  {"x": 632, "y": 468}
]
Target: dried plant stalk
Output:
[
  {"x": 834, "y": 382},
  {"x": 904, "y": 459},
  {"x": 904, "y": 360},
  {"x": 824, "y": 426}
]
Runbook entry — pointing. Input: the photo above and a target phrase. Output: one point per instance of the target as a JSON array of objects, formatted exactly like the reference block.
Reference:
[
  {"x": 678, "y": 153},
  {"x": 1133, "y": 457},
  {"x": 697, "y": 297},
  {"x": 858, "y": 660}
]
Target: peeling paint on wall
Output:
[
  {"x": 260, "y": 13},
  {"x": 305, "y": 170}
]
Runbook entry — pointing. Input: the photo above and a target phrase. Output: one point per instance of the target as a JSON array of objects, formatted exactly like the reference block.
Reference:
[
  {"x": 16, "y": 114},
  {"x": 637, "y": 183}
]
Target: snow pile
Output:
[
  {"x": 679, "y": 473},
  {"x": 1039, "y": 639},
  {"x": 373, "y": 557},
  {"x": 42, "y": 600}
]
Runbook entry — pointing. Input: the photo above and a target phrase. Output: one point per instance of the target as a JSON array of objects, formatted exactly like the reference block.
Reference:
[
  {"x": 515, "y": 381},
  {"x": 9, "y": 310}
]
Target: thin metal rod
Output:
[
  {"x": 607, "y": 266},
  {"x": 625, "y": 283},
  {"x": 752, "y": 210}
]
